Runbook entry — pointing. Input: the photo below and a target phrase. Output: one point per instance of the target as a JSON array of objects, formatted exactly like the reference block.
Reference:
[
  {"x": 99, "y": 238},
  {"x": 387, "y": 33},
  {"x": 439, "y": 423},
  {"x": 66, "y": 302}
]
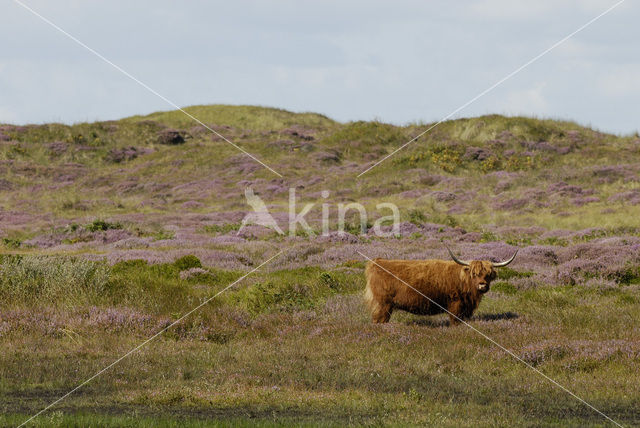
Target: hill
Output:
[{"x": 493, "y": 169}]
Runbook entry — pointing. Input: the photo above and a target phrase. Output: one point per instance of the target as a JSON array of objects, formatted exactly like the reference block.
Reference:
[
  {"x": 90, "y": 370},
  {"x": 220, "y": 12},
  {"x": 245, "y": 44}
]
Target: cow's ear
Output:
[{"x": 466, "y": 269}]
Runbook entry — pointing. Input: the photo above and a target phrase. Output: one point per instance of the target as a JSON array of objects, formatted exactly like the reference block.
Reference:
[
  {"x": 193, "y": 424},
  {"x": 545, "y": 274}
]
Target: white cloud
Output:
[
  {"x": 7, "y": 116},
  {"x": 621, "y": 81},
  {"x": 527, "y": 10},
  {"x": 527, "y": 101}
]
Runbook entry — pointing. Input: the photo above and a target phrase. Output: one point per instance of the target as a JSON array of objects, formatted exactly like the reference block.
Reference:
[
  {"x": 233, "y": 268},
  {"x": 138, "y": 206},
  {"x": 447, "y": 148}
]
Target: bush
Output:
[
  {"x": 187, "y": 262},
  {"x": 11, "y": 242},
  {"x": 262, "y": 296},
  {"x": 225, "y": 228},
  {"x": 101, "y": 225},
  {"x": 507, "y": 273},
  {"x": 170, "y": 137},
  {"x": 504, "y": 287},
  {"x": 163, "y": 234},
  {"x": 417, "y": 217},
  {"x": 303, "y": 288},
  {"x": 447, "y": 158},
  {"x": 329, "y": 281}
]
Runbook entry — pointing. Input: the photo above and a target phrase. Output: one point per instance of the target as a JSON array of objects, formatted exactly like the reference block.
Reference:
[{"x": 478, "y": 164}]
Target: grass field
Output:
[{"x": 112, "y": 231}]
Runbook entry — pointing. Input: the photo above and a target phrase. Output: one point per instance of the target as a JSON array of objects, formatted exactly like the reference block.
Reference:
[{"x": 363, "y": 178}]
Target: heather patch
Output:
[
  {"x": 300, "y": 132},
  {"x": 580, "y": 201},
  {"x": 512, "y": 204},
  {"x": 442, "y": 196},
  {"x": 563, "y": 189},
  {"x": 338, "y": 237},
  {"x": 6, "y": 185},
  {"x": 126, "y": 154},
  {"x": 94, "y": 233},
  {"x": 213, "y": 258},
  {"x": 57, "y": 148},
  {"x": 171, "y": 137},
  {"x": 612, "y": 173},
  {"x": 573, "y": 353},
  {"x": 631, "y": 197},
  {"x": 327, "y": 157},
  {"x": 242, "y": 165},
  {"x": 192, "y": 205},
  {"x": 193, "y": 273}
]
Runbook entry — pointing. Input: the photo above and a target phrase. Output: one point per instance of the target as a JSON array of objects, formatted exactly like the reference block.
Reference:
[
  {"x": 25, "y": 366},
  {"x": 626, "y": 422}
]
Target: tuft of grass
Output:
[
  {"x": 102, "y": 225},
  {"x": 224, "y": 228},
  {"x": 30, "y": 280},
  {"x": 11, "y": 243},
  {"x": 163, "y": 234},
  {"x": 417, "y": 217},
  {"x": 303, "y": 288},
  {"x": 504, "y": 287},
  {"x": 507, "y": 273}
]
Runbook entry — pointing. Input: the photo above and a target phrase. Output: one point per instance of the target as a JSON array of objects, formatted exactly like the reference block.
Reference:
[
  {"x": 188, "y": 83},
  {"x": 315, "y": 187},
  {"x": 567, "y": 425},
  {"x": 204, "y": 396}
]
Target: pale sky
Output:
[{"x": 396, "y": 61}]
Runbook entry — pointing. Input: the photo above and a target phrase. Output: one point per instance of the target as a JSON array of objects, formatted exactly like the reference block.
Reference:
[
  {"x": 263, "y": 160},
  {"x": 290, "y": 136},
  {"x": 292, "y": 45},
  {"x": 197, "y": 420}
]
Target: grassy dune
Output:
[{"x": 111, "y": 231}]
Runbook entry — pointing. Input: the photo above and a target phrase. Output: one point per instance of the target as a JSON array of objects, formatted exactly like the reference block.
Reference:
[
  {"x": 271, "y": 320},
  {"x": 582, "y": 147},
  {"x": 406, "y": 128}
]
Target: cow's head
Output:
[{"x": 481, "y": 272}]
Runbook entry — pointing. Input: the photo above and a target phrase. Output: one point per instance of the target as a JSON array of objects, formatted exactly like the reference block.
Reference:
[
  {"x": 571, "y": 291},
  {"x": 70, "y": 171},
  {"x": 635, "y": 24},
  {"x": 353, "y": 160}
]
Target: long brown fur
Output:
[{"x": 452, "y": 286}]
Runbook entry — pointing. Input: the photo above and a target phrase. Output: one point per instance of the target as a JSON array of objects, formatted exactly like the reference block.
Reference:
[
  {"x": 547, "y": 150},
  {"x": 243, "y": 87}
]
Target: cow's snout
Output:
[{"x": 483, "y": 287}]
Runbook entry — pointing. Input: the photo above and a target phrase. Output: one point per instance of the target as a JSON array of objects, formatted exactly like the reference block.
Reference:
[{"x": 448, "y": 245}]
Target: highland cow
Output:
[{"x": 428, "y": 287}]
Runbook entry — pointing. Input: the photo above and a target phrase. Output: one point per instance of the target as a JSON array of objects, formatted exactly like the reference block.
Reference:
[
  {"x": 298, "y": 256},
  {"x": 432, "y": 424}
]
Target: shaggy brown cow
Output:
[{"x": 456, "y": 286}]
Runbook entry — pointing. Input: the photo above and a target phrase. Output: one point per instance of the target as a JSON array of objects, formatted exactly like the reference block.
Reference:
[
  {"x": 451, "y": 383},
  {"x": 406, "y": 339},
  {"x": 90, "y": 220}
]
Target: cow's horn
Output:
[
  {"x": 502, "y": 264},
  {"x": 457, "y": 260}
]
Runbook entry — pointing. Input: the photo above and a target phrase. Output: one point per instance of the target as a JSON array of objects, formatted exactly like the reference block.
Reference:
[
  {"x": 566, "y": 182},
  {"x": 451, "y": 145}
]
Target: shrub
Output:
[
  {"x": 224, "y": 228},
  {"x": 262, "y": 296},
  {"x": 357, "y": 264},
  {"x": 129, "y": 264},
  {"x": 488, "y": 236},
  {"x": 163, "y": 234},
  {"x": 187, "y": 262},
  {"x": 504, "y": 287},
  {"x": 296, "y": 289},
  {"x": 11, "y": 242},
  {"x": 508, "y": 273},
  {"x": 329, "y": 281},
  {"x": 170, "y": 136},
  {"x": 446, "y": 158},
  {"x": 101, "y": 225},
  {"x": 490, "y": 164}
]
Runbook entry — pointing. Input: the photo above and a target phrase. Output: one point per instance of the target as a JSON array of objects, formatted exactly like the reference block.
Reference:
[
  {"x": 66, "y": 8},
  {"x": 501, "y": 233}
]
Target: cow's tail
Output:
[{"x": 369, "y": 299}]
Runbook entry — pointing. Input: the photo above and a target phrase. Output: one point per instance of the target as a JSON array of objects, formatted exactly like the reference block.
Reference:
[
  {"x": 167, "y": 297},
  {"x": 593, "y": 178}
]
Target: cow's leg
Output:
[
  {"x": 455, "y": 312},
  {"x": 382, "y": 313}
]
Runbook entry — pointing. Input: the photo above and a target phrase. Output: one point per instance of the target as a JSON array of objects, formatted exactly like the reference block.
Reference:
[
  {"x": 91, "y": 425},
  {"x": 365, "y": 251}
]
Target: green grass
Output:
[
  {"x": 225, "y": 228},
  {"x": 331, "y": 367},
  {"x": 244, "y": 117}
]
